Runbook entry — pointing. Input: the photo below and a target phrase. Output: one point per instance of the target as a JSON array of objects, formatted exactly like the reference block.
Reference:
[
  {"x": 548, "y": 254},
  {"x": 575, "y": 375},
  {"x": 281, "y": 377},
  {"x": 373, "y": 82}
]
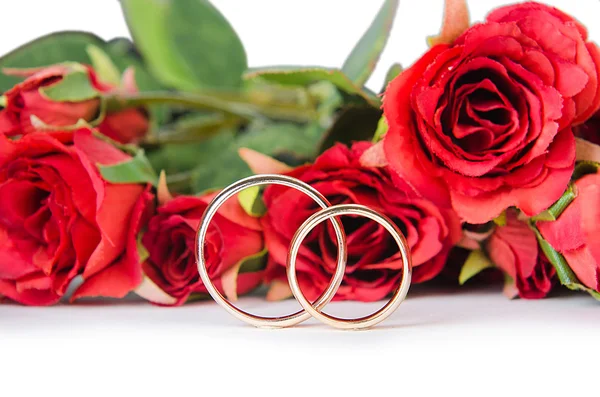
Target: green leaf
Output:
[
  {"x": 48, "y": 50},
  {"x": 146, "y": 20},
  {"x": 298, "y": 76},
  {"x": 64, "y": 47},
  {"x": 214, "y": 163},
  {"x": 207, "y": 43},
  {"x": 136, "y": 170},
  {"x": 566, "y": 276},
  {"x": 552, "y": 213},
  {"x": 382, "y": 129},
  {"x": 392, "y": 73},
  {"x": 220, "y": 164},
  {"x": 187, "y": 44},
  {"x": 362, "y": 60},
  {"x": 103, "y": 65},
  {"x": 354, "y": 123},
  {"x": 74, "y": 87},
  {"x": 254, "y": 263},
  {"x": 476, "y": 262},
  {"x": 251, "y": 201}
]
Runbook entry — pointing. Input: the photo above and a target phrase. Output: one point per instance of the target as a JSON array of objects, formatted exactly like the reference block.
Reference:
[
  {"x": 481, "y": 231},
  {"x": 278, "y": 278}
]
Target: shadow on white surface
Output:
[{"x": 425, "y": 310}]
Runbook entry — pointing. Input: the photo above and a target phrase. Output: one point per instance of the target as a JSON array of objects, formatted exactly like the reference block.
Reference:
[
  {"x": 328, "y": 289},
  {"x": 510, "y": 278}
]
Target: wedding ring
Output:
[
  {"x": 211, "y": 210},
  {"x": 399, "y": 294}
]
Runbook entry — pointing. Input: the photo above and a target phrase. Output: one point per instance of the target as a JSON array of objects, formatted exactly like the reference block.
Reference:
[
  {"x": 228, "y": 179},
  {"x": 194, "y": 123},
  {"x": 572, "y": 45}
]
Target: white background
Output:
[{"x": 469, "y": 342}]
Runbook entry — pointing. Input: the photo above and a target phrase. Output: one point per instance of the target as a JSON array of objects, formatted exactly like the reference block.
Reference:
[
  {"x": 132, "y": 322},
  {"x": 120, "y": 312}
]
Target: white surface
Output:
[
  {"x": 471, "y": 343},
  {"x": 276, "y": 32}
]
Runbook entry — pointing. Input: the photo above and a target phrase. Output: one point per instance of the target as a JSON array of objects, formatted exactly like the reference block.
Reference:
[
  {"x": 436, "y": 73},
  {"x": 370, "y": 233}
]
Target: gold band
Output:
[
  {"x": 211, "y": 210},
  {"x": 399, "y": 294}
]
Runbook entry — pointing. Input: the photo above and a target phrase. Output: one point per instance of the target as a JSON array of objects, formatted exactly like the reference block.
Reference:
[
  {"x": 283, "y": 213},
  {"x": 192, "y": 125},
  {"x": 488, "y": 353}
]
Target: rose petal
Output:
[{"x": 261, "y": 163}]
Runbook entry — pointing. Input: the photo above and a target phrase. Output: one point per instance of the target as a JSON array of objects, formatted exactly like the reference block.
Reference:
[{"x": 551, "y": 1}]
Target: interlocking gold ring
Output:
[
  {"x": 330, "y": 213},
  {"x": 211, "y": 210}
]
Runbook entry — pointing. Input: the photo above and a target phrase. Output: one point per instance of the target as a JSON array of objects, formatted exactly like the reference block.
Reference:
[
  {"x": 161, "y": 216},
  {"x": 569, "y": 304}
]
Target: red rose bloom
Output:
[
  {"x": 59, "y": 219},
  {"x": 576, "y": 232},
  {"x": 374, "y": 262},
  {"x": 483, "y": 124},
  {"x": 25, "y": 100},
  {"x": 514, "y": 249},
  {"x": 171, "y": 238}
]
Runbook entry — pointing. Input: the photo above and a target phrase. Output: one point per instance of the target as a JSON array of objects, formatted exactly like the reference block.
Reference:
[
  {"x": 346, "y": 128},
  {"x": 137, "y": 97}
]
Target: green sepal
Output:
[
  {"x": 103, "y": 65},
  {"x": 47, "y": 50},
  {"x": 566, "y": 276},
  {"x": 382, "y": 129},
  {"x": 254, "y": 263},
  {"x": 500, "y": 220},
  {"x": 73, "y": 87},
  {"x": 364, "y": 56},
  {"x": 476, "y": 262},
  {"x": 584, "y": 168},
  {"x": 251, "y": 201},
  {"x": 135, "y": 170},
  {"x": 552, "y": 213},
  {"x": 196, "y": 297},
  {"x": 142, "y": 250},
  {"x": 3, "y": 101}
]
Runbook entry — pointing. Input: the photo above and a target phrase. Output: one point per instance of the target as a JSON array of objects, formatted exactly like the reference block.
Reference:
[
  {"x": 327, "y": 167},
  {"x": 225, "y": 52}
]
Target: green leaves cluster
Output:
[{"x": 205, "y": 103}]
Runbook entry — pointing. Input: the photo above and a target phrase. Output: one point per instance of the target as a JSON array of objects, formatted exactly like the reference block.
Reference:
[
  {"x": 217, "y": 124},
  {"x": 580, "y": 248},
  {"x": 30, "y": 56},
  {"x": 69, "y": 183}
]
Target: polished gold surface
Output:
[{"x": 211, "y": 210}]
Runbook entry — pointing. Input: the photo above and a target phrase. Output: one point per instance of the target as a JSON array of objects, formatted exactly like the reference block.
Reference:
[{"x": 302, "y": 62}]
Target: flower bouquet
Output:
[{"x": 485, "y": 153}]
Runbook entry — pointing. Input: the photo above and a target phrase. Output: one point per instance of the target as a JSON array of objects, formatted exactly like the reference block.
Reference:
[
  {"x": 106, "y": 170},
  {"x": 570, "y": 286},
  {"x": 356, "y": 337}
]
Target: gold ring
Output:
[
  {"x": 399, "y": 294},
  {"x": 211, "y": 210}
]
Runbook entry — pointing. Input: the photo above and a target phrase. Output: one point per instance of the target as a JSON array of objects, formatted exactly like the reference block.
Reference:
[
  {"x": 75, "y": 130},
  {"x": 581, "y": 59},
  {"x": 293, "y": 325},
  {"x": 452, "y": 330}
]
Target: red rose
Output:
[
  {"x": 374, "y": 262},
  {"x": 59, "y": 219},
  {"x": 170, "y": 241},
  {"x": 576, "y": 232},
  {"x": 514, "y": 249},
  {"x": 25, "y": 100},
  {"x": 483, "y": 124}
]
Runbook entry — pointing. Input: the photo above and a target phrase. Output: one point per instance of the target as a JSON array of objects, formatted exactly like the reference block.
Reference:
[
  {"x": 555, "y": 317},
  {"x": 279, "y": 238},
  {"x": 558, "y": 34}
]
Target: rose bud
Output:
[
  {"x": 576, "y": 232},
  {"x": 374, "y": 262},
  {"x": 59, "y": 219},
  {"x": 27, "y": 108},
  {"x": 514, "y": 249},
  {"x": 171, "y": 271},
  {"x": 483, "y": 124}
]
